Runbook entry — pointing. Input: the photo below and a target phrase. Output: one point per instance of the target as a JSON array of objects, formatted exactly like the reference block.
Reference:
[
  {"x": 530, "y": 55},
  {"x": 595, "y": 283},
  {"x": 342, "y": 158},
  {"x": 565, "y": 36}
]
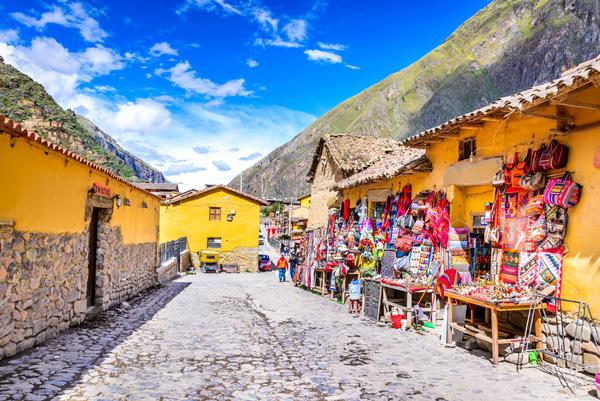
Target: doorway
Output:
[{"x": 93, "y": 254}]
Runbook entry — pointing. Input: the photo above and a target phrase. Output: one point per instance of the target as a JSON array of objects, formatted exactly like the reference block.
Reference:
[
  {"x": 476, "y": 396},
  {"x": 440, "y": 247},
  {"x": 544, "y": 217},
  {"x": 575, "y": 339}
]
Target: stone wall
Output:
[
  {"x": 245, "y": 258},
  {"x": 167, "y": 271},
  {"x": 123, "y": 269},
  {"x": 43, "y": 281},
  {"x": 322, "y": 192}
]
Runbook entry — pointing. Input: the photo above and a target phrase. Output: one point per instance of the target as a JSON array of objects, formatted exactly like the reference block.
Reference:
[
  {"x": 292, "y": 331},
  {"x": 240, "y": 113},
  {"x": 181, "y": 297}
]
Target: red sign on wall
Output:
[{"x": 102, "y": 190}]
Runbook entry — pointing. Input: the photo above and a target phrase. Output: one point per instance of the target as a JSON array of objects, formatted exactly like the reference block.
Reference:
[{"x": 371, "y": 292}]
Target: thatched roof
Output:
[
  {"x": 401, "y": 161},
  {"x": 584, "y": 75},
  {"x": 351, "y": 153}
]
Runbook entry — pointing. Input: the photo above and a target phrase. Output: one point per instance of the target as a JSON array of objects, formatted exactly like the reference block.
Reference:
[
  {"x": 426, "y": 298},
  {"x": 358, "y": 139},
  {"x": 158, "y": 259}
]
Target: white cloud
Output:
[
  {"x": 251, "y": 63},
  {"x": 277, "y": 42},
  {"x": 321, "y": 55},
  {"x": 209, "y": 5},
  {"x": 158, "y": 49},
  {"x": 100, "y": 60},
  {"x": 295, "y": 30},
  {"x": 184, "y": 76},
  {"x": 352, "y": 67},
  {"x": 332, "y": 46},
  {"x": 142, "y": 116},
  {"x": 60, "y": 71},
  {"x": 9, "y": 35},
  {"x": 267, "y": 22},
  {"x": 75, "y": 16}
]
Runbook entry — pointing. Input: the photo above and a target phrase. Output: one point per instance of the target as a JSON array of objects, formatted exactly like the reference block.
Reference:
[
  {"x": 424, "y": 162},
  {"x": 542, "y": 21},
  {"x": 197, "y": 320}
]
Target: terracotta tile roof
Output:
[
  {"x": 585, "y": 74},
  {"x": 199, "y": 192},
  {"x": 403, "y": 160},
  {"x": 351, "y": 153},
  {"x": 157, "y": 186},
  {"x": 14, "y": 129}
]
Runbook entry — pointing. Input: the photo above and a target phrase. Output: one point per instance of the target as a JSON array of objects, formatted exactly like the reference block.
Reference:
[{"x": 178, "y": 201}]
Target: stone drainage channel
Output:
[{"x": 249, "y": 337}]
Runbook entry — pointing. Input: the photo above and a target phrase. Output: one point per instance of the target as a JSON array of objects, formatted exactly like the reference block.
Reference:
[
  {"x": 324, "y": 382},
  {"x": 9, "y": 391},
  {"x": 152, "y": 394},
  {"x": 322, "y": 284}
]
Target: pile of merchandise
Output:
[
  {"x": 493, "y": 292},
  {"x": 527, "y": 224}
]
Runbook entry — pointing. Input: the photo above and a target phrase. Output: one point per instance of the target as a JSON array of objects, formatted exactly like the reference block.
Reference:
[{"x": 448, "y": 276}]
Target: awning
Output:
[{"x": 467, "y": 173}]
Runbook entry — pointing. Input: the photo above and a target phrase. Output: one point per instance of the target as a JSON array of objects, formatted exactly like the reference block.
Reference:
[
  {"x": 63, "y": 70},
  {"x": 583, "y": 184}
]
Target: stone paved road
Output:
[{"x": 248, "y": 337}]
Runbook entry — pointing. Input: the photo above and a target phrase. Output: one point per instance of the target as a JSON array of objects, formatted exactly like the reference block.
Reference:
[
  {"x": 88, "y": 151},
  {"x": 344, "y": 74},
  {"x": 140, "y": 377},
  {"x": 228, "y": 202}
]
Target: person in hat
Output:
[{"x": 282, "y": 266}]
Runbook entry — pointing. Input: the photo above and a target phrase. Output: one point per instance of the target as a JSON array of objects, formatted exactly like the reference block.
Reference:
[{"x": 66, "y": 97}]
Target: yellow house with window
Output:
[{"x": 216, "y": 218}]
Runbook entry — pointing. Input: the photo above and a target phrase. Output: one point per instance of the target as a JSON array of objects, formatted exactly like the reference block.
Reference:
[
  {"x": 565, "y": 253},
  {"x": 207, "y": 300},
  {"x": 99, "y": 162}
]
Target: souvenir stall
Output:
[
  {"x": 417, "y": 235},
  {"x": 522, "y": 248}
]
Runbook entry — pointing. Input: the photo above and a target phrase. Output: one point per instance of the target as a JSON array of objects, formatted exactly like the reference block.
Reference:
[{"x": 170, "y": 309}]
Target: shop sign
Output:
[{"x": 101, "y": 190}]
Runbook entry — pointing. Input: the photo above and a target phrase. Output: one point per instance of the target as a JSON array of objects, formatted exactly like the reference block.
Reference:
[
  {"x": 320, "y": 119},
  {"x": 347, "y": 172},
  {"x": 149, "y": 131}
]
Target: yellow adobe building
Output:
[
  {"x": 305, "y": 201},
  {"x": 216, "y": 218},
  {"x": 75, "y": 238}
]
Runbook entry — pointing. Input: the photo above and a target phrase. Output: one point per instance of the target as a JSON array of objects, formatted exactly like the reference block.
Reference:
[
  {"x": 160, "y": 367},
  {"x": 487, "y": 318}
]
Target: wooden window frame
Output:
[
  {"x": 467, "y": 147},
  {"x": 214, "y": 216}
]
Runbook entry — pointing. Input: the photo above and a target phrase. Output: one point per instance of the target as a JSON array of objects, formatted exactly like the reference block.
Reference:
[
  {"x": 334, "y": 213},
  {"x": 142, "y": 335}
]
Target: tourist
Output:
[
  {"x": 293, "y": 264},
  {"x": 282, "y": 266}
]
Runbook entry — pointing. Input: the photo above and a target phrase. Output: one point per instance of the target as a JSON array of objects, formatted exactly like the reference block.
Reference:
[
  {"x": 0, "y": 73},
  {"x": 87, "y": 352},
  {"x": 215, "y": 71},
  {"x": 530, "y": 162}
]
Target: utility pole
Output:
[{"x": 290, "y": 220}]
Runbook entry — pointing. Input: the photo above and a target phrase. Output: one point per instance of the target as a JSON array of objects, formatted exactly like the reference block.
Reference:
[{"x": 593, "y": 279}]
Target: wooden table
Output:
[
  {"x": 492, "y": 310},
  {"x": 388, "y": 303},
  {"x": 321, "y": 282},
  {"x": 347, "y": 279}
]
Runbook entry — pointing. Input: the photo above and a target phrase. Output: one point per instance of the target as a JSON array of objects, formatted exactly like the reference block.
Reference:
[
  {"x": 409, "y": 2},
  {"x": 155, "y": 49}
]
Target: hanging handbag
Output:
[
  {"x": 539, "y": 229},
  {"x": 498, "y": 180},
  {"x": 551, "y": 157},
  {"x": 556, "y": 227},
  {"x": 533, "y": 181},
  {"x": 535, "y": 206},
  {"x": 404, "y": 243},
  {"x": 562, "y": 192},
  {"x": 417, "y": 228},
  {"x": 508, "y": 168}
]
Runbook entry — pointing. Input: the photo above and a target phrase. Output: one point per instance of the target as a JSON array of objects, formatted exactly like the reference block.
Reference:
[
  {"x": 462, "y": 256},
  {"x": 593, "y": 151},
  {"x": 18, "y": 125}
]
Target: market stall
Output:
[{"x": 515, "y": 248}]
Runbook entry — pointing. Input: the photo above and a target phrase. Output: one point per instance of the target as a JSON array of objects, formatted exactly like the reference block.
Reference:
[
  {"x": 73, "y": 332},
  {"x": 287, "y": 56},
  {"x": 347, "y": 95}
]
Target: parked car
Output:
[
  {"x": 264, "y": 263},
  {"x": 261, "y": 239}
]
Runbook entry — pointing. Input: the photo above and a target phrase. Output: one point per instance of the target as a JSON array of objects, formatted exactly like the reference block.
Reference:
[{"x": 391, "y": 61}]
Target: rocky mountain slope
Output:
[
  {"x": 508, "y": 46},
  {"x": 25, "y": 101}
]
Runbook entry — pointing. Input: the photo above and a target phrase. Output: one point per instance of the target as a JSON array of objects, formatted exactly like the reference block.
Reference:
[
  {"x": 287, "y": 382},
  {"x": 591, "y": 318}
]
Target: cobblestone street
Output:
[{"x": 248, "y": 337}]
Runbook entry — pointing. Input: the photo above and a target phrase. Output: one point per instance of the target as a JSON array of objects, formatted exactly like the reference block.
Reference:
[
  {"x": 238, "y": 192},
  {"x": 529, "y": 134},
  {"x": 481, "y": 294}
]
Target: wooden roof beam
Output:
[
  {"x": 492, "y": 119},
  {"x": 576, "y": 104},
  {"x": 528, "y": 113}
]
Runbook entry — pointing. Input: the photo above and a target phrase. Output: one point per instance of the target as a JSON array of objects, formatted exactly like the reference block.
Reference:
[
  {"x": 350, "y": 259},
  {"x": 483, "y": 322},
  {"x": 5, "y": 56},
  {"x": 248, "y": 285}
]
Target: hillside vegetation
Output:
[{"x": 506, "y": 47}]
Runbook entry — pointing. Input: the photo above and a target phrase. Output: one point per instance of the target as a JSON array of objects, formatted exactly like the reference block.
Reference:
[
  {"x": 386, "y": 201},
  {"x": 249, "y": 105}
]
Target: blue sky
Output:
[{"x": 202, "y": 89}]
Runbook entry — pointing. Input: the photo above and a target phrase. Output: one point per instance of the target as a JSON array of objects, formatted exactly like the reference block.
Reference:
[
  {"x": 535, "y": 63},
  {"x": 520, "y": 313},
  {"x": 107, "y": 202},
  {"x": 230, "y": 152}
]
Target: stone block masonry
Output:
[
  {"x": 246, "y": 259},
  {"x": 43, "y": 281}
]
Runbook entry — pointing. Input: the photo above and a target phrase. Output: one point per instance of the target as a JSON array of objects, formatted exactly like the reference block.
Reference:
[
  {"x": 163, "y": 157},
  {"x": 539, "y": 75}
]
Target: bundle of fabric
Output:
[{"x": 446, "y": 281}]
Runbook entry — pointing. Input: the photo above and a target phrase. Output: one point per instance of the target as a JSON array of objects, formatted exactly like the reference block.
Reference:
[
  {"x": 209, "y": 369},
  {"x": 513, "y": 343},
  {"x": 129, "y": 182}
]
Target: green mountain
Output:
[
  {"x": 27, "y": 102},
  {"x": 506, "y": 47}
]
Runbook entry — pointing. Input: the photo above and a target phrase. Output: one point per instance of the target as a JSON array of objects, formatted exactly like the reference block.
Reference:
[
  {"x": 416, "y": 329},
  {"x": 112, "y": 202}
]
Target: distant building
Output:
[
  {"x": 305, "y": 201},
  {"x": 215, "y": 218},
  {"x": 163, "y": 190}
]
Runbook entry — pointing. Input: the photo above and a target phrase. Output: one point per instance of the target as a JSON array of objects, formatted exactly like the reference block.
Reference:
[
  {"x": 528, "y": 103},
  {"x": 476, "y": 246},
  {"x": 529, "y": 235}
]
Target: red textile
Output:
[
  {"x": 346, "y": 209},
  {"x": 447, "y": 280}
]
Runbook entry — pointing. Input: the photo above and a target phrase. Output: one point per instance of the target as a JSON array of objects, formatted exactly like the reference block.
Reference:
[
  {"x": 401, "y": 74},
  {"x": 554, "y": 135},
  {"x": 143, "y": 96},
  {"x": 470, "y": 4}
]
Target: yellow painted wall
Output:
[
  {"x": 305, "y": 201},
  {"x": 581, "y": 269},
  {"x": 190, "y": 219},
  {"x": 44, "y": 191}
]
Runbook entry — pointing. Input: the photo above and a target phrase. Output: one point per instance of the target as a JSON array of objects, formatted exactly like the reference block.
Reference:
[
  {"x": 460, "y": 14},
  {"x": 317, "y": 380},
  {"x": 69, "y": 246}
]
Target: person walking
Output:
[
  {"x": 282, "y": 266},
  {"x": 293, "y": 264}
]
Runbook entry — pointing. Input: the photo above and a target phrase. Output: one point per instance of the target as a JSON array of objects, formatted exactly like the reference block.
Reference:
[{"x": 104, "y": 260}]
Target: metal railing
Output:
[{"x": 172, "y": 249}]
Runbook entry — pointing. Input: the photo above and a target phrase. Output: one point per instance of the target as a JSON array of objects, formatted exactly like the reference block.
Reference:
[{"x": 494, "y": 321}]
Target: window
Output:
[
  {"x": 214, "y": 242},
  {"x": 466, "y": 148},
  {"x": 214, "y": 213}
]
